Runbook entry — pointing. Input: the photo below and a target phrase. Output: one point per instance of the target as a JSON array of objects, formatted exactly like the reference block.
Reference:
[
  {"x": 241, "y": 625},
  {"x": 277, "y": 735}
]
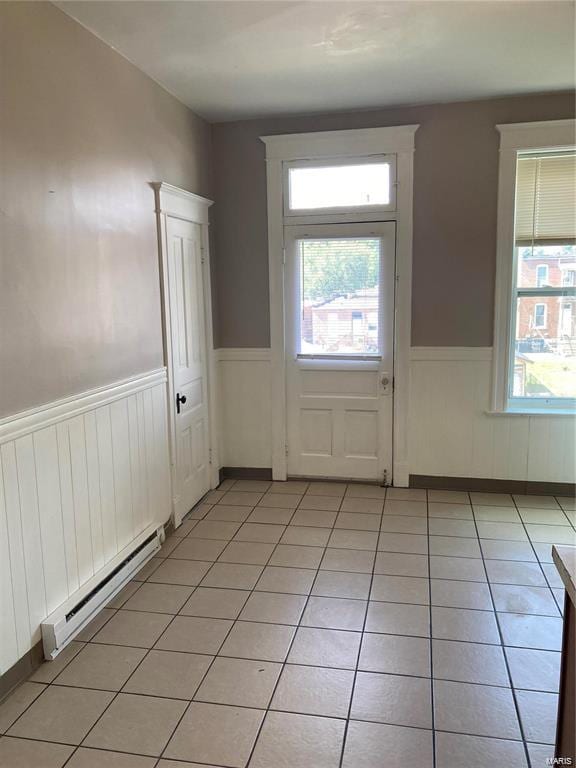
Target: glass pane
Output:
[
  {"x": 545, "y": 348},
  {"x": 340, "y": 296},
  {"x": 552, "y": 266},
  {"x": 343, "y": 186}
]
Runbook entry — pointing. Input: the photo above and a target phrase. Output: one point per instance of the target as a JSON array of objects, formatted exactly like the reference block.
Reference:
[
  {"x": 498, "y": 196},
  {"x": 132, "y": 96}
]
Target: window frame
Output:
[{"x": 516, "y": 138}]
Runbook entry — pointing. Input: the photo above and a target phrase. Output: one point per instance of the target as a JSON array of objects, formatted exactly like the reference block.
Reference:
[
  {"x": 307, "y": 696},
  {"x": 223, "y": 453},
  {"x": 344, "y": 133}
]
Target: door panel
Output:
[
  {"x": 339, "y": 350},
  {"x": 191, "y": 462}
]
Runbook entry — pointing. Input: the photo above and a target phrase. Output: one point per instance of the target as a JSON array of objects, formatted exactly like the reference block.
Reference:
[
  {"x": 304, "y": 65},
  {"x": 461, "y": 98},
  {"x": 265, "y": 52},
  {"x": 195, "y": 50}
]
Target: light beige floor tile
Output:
[
  {"x": 259, "y": 533},
  {"x": 326, "y": 489},
  {"x": 215, "y": 529},
  {"x": 454, "y": 749},
  {"x": 334, "y": 613},
  {"x": 469, "y": 662},
  {"x": 392, "y": 699},
  {"x": 240, "y": 682},
  {"x": 465, "y": 625},
  {"x": 318, "y": 518},
  {"x": 461, "y": 594},
  {"x": 241, "y": 498},
  {"x": 246, "y": 552},
  {"x": 450, "y": 511},
  {"x": 567, "y": 502},
  {"x": 47, "y": 671},
  {"x": 504, "y": 531},
  {"x": 329, "y": 503},
  {"x": 18, "y": 701},
  {"x": 213, "y": 497},
  {"x": 507, "y": 550},
  {"x": 166, "y": 549},
  {"x": 366, "y": 743},
  {"x": 198, "y": 549},
  {"x": 552, "y": 534},
  {"x": 406, "y": 494},
  {"x": 342, "y": 584},
  {"x": 398, "y": 564},
  {"x": 357, "y": 521},
  {"x": 362, "y": 506},
  {"x": 540, "y": 754},
  {"x": 141, "y": 724},
  {"x": 454, "y": 546},
  {"x": 403, "y": 524},
  {"x": 325, "y": 648},
  {"x": 22, "y": 753},
  {"x": 95, "y": 625},
  {"x": 510, "y": 598},
  {"x": 452, "y": 497},
  {"x": 226, "y": 484},
  {"x": 496, "y": 514},
  {"x": 185, "y": 527},
  {"x": 544, "y": 516},
  {"x": 440, "y": 526},
  {"x": 215, "y": 603},
  {"x": 553, "y": 578},
  {"x": 365, "y": 491},
  {"x": 405, "y": 508},
  {"x": 105, "y": 667},
  {"x": 140, "y": 630},
  {"x": 543, "y": 552},
  {"x": 478, "y": 710},
  {"x": 232, "y": 514},
  {"x": 353, "y": 540},
  {"x": 182, "y": 572},
  {"x": 398, "y": 619},
  {"x": 559, "y": 596},
  {"x": 216, "y": 734},
  {"x": 252, "y": 640},
  {"x": 314, "y": 691},
  {"x": 270, "y": 515},
  {"x": 96, "y": 758},
  {"x": 352, "y": 560},
  {"x": 525, "y": 631},
  {"x": 259, "y": 486},
  {"x": 170, "y": 674},
  {"x": 296, "y": 556},
  {"x": 515, "y": 572},
  {"x": 62, "y": 714},
  {"x": 534, "y": 670},
  {"x": 400, "y": 589},
  {"x": 306, "y": 535},
  {"x": 396, "y": 655},
  {"x": 491, "y": 499},
  {"x": 289, "y": 486},
  {"x": 403, "y": 542},
  {"x": 296, "y": 581},
  {"x": 198, "y": 512},
  {"x": 126, "y": 592},
  {"x": 298, "y": 741},
  {"x": 160, "y": 598},
  {"x": 540, "y": 502},
  {"x": 232, "y": 576},
  {"x": 282, "y": 500},
  {"x": 457, "y": 568},
  {"x": 538, "y": 715},
  {"x": 274, "y": 608},
  {"x": 194, "y": 635}
]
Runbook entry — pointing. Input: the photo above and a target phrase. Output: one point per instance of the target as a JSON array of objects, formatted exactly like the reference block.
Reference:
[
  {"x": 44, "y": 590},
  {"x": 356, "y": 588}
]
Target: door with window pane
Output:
[{"x": 339, "y": 302}]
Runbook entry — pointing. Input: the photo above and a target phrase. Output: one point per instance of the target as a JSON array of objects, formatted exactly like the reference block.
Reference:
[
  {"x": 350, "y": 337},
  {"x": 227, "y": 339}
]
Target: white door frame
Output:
[
  {"x": 398, "y": 141},
  {"x": 173, "y": 202}
]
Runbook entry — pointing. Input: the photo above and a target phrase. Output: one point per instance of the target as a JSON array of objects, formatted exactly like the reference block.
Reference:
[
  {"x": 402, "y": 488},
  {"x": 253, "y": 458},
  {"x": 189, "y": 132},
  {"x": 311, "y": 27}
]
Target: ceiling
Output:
[{"x": 234, "y": 60}]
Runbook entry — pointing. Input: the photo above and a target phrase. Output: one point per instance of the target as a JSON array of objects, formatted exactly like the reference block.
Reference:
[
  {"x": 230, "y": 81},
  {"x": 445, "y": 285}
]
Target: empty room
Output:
[{"x": 287, "y": 384}]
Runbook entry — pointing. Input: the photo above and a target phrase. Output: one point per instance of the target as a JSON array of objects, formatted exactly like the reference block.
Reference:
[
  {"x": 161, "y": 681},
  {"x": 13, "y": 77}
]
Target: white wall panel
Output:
[{"x": 79, "y": 481}]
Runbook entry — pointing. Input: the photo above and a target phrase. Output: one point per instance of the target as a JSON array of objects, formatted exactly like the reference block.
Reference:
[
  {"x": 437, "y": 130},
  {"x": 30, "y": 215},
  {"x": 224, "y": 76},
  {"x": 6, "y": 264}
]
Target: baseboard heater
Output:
[{"x": 62, "y": 625}]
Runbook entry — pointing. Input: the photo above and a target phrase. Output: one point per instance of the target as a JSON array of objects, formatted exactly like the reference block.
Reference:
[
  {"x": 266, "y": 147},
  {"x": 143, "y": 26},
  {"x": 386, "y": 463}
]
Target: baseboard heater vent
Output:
[{"x": 65, "y": 623}]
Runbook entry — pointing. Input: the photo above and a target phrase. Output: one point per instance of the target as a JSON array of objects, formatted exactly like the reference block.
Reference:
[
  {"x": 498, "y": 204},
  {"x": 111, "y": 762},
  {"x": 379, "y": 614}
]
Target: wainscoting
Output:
[
  {"x": 452, "y": 434},
  {"x": 81, "y": 480}
]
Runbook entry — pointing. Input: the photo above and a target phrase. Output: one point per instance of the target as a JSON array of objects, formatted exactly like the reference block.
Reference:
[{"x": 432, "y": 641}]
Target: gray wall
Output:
[
  {"x": 455, "y": 196},
  {"x": 83, "y": 133}
]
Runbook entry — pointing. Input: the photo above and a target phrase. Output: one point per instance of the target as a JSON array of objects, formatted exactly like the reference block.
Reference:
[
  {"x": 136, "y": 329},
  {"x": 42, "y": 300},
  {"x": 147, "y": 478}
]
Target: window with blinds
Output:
[{"x": 543, "y": 349}]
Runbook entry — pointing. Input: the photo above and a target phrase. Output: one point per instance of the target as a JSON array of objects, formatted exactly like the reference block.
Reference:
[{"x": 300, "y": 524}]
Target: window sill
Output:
[{"x": 532, "y": 412}]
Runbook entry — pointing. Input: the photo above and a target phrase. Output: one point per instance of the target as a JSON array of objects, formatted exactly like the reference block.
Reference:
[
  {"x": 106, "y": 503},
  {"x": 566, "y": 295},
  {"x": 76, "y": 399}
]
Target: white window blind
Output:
[{"x": 546, "y": 199}]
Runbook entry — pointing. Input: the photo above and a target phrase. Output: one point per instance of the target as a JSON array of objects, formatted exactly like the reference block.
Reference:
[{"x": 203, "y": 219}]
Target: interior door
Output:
[
  {"x": 339, "y": 301},
  {"x": 191, "y": 465}
]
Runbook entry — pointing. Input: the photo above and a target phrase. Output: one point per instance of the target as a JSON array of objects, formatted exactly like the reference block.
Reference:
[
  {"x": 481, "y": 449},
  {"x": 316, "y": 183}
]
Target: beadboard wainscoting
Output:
[
  {"x": 245, "y": 417},
  {"x": 82, "y": 482},
  {"x": 452, "y": 433}
]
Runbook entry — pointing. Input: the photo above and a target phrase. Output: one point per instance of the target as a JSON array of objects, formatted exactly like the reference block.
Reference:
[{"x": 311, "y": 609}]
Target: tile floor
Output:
[{"x": 317, "y": 625}]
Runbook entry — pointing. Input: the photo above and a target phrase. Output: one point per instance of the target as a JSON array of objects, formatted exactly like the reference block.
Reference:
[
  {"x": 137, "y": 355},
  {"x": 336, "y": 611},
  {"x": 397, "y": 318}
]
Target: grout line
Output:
[{"x": 430, "y": 647}]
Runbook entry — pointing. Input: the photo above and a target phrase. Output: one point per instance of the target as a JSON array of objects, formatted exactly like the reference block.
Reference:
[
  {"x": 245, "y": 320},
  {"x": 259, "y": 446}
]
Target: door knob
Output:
[
  {"x": 385, "y": 381},
  {"x": 180, "y": 399}
]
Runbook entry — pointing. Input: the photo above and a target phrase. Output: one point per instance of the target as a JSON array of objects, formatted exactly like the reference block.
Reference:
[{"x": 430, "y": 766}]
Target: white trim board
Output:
[{"x": 451, "y": 353}]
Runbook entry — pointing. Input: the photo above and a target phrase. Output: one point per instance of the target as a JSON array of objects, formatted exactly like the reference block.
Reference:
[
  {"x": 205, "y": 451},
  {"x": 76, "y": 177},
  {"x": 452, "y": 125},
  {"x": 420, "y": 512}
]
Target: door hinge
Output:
[
  {"x": 209, "y": 455},
  {"x": 202, "y": 257},
  {"x": 286, "y": 449},
  {"x": 385, "y": 478}
]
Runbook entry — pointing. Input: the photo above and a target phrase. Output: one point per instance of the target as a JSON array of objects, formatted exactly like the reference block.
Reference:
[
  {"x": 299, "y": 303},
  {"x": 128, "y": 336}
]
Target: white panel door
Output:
[
  {"x": 189, "y": 364},
  {"x": 339, "y": 284}
]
